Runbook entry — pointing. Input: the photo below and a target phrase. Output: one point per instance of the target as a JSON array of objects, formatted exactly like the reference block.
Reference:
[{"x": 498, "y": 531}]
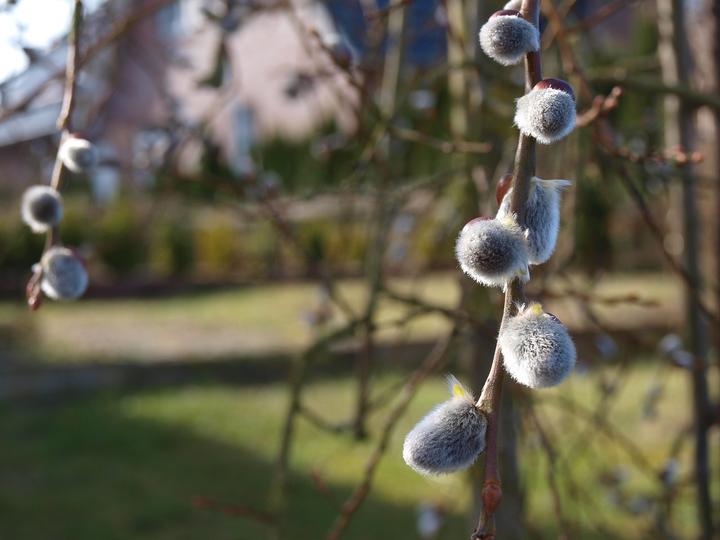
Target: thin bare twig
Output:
[
  {"x": 432, "y": 363},
  {"x": 297, "y": 380},
  {"x": 551, "y": 454},
  {"x": 605, "y": 137},
  {"x": 237, "y": 510},
  {"x": 452, "y": 314},
  {"x": 446, "y": 147}
]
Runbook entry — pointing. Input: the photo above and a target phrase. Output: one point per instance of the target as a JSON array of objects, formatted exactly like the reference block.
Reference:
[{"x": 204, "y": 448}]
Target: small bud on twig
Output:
[
  {"x": 63, "y": 274},
  {"x": 41, "y": 208},
  {"x": 547, "y": 112},
  {"x": 78, "y": 155},
  {"x": 536, "y": 347},
  {"x": 506, "y": 37},
  {"x": 492, "y": 251},
  {"x": 449, "y": 438},
  {"x": 541, "y": 216},
  {"x": 503, "y": 186},
  {"x": 491, "y": 495}
]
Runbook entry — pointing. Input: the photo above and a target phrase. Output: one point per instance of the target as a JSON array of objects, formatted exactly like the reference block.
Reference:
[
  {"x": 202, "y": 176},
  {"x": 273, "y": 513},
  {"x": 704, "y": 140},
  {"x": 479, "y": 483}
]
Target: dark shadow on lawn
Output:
[
  {"x": 36, "y": 381},
  {"x": 86, "y": 471},
  {"x": 83, "y": 471}
]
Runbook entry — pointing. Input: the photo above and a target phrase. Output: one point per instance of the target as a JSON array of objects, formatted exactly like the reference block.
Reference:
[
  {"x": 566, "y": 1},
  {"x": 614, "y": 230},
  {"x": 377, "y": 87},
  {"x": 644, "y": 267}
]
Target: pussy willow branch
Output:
[
  {"x": 489, "y": 400},
  {"x": 64, "y": 123}
]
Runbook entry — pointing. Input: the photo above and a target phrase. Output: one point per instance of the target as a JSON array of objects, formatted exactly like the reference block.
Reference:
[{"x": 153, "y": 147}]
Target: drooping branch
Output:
[
  {"x": 489, "y": 401},
  {"x": 64, "y": 123}
]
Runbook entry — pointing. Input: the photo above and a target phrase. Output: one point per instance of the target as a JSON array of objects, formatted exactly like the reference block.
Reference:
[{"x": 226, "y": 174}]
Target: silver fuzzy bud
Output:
[
  {"x": 547, "y": 112},
  {"x": 537, "y": 349},
  {"x": 541, "y": 217},
  {"x": 507, "y": 37},
  {"x": 493, "y": 251},
  {"x": 64, "y": 276},
  {"x": 41, "y": 208},
  {"x": 449, "y": 438},
  {"x": 78, "y": 155},
  {"x": 513, "y": 4}
]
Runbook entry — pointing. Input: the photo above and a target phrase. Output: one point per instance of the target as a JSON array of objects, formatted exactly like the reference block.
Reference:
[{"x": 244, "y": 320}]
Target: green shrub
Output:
[
  {"x": 215, "y": 245},
  {"x": 20, "y": 248},
  {"x": 120, "y": 238},
  {"x": 171, "y": 247}
]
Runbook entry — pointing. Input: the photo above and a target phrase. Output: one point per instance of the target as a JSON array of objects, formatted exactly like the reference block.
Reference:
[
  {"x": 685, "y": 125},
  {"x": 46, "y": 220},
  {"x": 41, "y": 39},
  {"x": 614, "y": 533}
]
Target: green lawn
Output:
[
  {"x": 272, "y": 318},
  {"x": 124, "y": 466}
]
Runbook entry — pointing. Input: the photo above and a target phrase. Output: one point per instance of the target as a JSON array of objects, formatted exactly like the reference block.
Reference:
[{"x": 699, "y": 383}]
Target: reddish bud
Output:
[
  {"x": 507, "y": 37},
  {"x": 479, "y": 218},
  {"x": 503, "y": 186},
  {"x": 553, "y": 317},
  {"x": 557, "y": 84},
  {"x": 491, "y": 496},
  {"x": 33, "y": 292},
  {"x": 506, "y": 13},
  {"x": 476, "y": 220}
]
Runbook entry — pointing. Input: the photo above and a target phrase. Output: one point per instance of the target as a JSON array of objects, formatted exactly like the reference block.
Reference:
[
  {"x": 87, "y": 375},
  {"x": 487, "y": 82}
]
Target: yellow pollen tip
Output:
[
  {"x": 536, "y": 309},
  {"x": 458, "y": 390}
]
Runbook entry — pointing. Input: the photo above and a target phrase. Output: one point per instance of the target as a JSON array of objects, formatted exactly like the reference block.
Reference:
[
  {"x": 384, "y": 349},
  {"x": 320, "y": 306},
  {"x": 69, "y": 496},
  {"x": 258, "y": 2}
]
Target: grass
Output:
[
  {"x": 272, "y": 318},
  {"x": 123, "y": 466},
  {"x": 128, "y": 465}
]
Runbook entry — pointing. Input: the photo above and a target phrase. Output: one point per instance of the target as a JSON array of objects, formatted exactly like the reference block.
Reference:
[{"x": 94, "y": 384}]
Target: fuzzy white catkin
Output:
[
  {"x": 41, "y": 208},
  {"x": 449, "y": 438},
  {"x": 78, "y": 155},
  {"x": 508, "y": 38},
  {"x": 547, "y": 114},
  {"x": 513, "y": 4},
  {"x": 541, "y": 218},
  {"x": 492, "y": 251},
  {"x": 537, "y": 349},
  {"x": 64, "y": 275}
]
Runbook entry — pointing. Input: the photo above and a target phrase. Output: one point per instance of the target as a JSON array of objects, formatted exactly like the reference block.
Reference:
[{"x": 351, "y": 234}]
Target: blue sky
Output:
[{"x": 34, "y": 23}]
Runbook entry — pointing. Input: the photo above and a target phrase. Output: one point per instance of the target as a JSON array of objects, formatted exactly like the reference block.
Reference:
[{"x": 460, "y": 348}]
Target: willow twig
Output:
[
  {"x": 489, "y": 401},
  {"x": 432, "y": 363},
  {"x": 64, "y": 123}
]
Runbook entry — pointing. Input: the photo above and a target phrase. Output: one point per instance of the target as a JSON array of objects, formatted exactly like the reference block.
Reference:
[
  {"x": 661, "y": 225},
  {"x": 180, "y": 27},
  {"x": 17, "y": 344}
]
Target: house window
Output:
[{"x": 240, "y": 157}]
